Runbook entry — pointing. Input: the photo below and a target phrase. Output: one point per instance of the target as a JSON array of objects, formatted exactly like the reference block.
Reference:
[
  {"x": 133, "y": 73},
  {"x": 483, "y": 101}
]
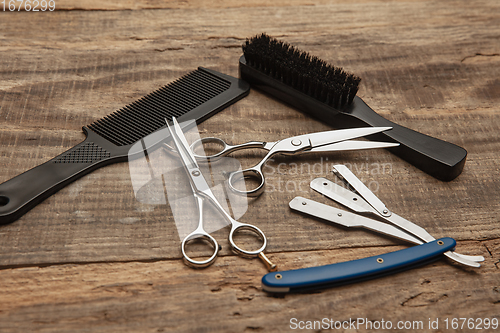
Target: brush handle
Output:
[
  {"x": 313, "y": 278},
  {"x": 23, "y": 192},
  {"x": 439, "y": 158}
]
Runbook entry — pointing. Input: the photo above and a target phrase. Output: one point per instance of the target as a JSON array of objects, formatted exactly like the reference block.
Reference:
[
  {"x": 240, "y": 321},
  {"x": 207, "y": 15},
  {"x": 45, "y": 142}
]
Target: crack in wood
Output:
[
  {"x": 423, "y": 299},
  {"x": 480, "y": 55},
  {"x": 426, "y": 281},
  {"x": 82, "y": 9},
  {"x": 169, "y": 49},
  {"x": 410, "y": 298},
  {"x": 487, "y": 249},
  {"x": 226, "y": 47},
  {"x": 84, "y": 263},
  {"x": 229, "y": 37}
]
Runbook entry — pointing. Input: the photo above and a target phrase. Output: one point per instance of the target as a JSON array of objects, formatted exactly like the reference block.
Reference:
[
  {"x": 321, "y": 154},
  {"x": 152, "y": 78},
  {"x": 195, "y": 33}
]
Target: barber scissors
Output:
[
  {"x": 202, "y": 192},
  {"x": 336, "y": 140}
]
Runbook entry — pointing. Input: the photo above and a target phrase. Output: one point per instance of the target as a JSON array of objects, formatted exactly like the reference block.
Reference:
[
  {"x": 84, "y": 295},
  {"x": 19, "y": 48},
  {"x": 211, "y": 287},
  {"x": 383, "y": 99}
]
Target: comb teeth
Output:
[
  {"x": 301, "y": 71},
  {"x": 146, "y": 115}
]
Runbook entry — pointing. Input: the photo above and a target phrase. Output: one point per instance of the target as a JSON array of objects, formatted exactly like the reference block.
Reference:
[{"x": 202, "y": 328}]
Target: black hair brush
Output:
[
  {"x": 197, "y": 95},
  {"x": 329, "y": 94}
]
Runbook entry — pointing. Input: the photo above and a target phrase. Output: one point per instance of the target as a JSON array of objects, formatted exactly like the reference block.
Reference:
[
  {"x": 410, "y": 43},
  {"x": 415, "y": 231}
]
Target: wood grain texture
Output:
[
  {"x": 92, "y": 258},
  {"x": 166, "y": 296}
]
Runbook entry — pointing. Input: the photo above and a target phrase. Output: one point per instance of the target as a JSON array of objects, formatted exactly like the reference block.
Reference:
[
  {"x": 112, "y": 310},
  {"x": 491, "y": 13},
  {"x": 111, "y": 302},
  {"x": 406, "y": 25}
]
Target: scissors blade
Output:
[
  {"x": 353, "y": 145},
  {"x": 328, "y": 137},
  {"x": 179, "y": 135},
  {"x": 186, "y": 161},
  {"x": 197, "y": 180}
]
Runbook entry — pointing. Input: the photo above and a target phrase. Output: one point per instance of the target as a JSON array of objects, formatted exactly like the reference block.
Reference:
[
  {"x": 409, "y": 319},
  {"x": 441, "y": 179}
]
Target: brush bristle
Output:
[{"x": 301, "y": 71}]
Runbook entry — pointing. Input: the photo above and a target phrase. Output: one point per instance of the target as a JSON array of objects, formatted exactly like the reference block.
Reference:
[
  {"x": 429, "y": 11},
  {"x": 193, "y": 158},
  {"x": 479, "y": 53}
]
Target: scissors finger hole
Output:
[
  {"x": 249, "y": 182},
  {"x": 200, "y": 251},
  {"x": 208, "y": 147},
  {"x": 248, "y": 241},
  {"x": 245, "y": 184}
]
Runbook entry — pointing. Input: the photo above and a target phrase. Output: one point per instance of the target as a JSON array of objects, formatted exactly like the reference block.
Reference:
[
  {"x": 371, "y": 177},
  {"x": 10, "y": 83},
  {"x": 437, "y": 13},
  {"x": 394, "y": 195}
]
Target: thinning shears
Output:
[
  {"x": 202, "y": 192},
  {"x": 336, "y": 140},
  {"x": 362, "y": 201}
]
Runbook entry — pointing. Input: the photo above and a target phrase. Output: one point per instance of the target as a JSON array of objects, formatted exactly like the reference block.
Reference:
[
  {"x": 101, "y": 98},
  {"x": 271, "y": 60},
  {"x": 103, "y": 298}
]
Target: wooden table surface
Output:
[{"x": 91, "y": 258}]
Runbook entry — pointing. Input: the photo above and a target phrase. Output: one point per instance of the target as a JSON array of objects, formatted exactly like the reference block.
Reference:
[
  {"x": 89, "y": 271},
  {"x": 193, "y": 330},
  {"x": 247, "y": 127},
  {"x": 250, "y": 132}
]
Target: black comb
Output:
[
  {"x": 197, "y": 95},
  {"x": 328, "y": 93}
]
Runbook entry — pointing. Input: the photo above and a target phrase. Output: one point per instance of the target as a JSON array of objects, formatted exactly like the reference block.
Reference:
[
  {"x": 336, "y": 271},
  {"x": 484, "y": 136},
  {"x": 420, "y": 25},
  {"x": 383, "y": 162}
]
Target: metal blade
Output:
[
  {"x": 341, "y": 195},
  {"x": 421, "y": 233},
  {"x": 198, "y": 182},
  {"x": 185, "y": 159},
  {"x": 183, "y": 141},
  {"x": 347, "y": 219},
  {"x": 367, "y": 204},
  {"x": 346, "y": 175},
  {"x": 410, "y": 227},
  {"x": 356, "y": 203},
  {"x": 464, "y": 260},
  {"x": 328, "y": 137},
  {"x": 353, "y": 145},
  {"x": 359, "y": 204}
]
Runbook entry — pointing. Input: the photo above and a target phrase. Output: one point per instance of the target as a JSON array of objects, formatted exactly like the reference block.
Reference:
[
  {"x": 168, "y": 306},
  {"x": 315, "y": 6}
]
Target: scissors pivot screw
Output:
[{"x": 296, "y": 142}]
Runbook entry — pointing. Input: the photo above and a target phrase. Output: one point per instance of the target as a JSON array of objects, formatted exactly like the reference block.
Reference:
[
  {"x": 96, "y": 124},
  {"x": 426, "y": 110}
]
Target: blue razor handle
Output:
[{"x": 320, "y": 277}]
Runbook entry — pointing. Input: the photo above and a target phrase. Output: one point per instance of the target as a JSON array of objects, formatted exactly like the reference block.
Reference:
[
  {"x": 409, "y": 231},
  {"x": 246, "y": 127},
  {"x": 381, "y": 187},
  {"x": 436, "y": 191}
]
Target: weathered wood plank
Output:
[
  {"x": 425, "y": 76},
  {"x": 93, "y": 259},
  {"x": 166, "y": 296}
]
